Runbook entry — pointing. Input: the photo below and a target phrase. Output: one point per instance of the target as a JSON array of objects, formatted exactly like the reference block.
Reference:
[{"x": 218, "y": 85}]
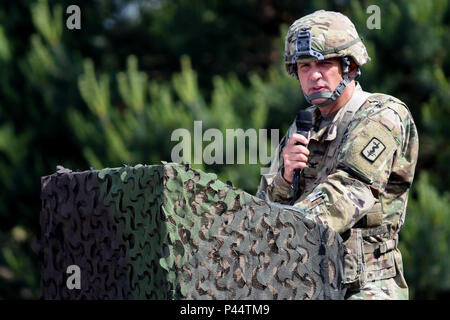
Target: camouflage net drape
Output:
[{"x": 172, "y": 232}]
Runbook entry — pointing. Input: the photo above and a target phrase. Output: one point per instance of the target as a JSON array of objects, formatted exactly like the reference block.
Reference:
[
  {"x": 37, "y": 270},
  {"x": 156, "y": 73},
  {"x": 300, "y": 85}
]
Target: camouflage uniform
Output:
[{"x": 358, "y": 175}]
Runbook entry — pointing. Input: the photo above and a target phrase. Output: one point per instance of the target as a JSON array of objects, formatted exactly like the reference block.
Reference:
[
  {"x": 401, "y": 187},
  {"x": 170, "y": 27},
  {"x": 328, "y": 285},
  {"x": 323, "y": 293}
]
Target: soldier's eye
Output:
[{"x": 303, "y": 66}]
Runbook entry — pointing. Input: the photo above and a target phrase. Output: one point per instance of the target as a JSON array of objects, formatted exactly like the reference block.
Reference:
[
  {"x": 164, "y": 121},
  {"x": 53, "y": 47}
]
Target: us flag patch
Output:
[{"x": 373, "y": 149}]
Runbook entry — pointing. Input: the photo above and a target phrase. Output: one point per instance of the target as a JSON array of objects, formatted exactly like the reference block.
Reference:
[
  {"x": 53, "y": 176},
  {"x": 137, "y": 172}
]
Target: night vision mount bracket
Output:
[{"x": 304, "y": 46}]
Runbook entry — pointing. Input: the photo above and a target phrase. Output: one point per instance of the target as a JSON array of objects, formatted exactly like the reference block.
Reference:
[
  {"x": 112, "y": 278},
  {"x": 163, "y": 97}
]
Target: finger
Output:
[
  {"x": 298, "y": 138},
  {"x": 297, "y": 157},
  {"x": 290, "y": 166},
  {"x": 296, "y": 149}
]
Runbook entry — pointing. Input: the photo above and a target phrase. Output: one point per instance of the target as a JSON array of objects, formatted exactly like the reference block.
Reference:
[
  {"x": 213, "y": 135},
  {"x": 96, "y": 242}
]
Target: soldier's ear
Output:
[{"x": 353, "y": 68}]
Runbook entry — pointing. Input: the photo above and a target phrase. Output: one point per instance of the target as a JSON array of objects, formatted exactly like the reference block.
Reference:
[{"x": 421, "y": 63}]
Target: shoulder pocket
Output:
[{"x": 369, "y": 150}]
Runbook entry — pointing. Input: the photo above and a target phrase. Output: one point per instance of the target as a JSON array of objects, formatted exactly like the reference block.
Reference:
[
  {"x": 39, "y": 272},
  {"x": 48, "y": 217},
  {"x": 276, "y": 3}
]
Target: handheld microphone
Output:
[{"x": 304, "y": 123}]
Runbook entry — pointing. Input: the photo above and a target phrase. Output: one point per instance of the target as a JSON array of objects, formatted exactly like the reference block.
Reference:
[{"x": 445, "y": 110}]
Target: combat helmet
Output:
[{"x": 323, "y": 35}]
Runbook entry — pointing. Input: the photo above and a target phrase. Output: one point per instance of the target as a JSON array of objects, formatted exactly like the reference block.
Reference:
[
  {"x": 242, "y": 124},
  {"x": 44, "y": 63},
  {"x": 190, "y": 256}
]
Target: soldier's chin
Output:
[{"x": 319, "y": 100}]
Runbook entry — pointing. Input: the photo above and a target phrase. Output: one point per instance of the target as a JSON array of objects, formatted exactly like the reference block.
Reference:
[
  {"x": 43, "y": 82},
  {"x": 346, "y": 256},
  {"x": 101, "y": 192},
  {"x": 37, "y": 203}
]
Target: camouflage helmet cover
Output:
[{"x": 332, "y": 35}]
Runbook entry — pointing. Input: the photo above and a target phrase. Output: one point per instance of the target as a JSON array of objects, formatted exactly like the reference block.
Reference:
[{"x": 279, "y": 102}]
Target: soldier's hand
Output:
[{"x": 294, "y": 156}]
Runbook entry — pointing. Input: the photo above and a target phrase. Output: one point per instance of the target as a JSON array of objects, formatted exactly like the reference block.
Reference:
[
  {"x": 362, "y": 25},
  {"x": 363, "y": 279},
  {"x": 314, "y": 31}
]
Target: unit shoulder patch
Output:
[
  {"x": 367, "y": 152},
  {"x": 373, "y": 149}
]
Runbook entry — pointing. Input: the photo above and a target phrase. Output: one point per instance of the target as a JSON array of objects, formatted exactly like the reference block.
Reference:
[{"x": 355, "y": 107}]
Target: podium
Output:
[{"x": 172, "y": 232}]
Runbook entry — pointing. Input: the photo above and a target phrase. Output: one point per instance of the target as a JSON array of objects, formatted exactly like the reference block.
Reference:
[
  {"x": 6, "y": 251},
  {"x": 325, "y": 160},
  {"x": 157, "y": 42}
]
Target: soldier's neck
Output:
[{"x": 339, "y": 102}]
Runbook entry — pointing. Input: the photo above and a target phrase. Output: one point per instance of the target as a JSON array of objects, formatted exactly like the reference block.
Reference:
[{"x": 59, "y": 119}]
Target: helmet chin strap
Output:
[{"x": 332, "y": 96}]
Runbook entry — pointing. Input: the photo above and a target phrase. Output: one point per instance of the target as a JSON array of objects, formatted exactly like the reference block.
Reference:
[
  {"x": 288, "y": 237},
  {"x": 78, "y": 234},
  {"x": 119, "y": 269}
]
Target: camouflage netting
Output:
[{"x": 171, "y": 232}]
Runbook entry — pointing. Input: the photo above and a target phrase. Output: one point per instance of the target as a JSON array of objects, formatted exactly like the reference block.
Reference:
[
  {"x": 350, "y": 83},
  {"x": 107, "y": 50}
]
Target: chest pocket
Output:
[
  {"x": 312, "y": 174},
  {"x": 322, "y": 159}
]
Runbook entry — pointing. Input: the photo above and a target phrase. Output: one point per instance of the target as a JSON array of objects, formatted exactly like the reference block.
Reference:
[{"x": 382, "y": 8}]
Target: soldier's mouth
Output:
[{"x": 317, "y": 89}]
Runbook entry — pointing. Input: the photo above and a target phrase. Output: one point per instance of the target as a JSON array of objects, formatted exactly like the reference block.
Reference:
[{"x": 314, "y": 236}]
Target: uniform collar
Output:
[{"x": 329, "y": 132}]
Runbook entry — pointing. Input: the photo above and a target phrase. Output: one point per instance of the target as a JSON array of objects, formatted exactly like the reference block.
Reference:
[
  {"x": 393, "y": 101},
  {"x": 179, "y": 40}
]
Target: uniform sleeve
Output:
[{"x": 365, "y": 160}]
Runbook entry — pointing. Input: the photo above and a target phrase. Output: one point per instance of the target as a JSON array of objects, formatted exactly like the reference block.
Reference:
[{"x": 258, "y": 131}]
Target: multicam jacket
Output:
[{"x": 357, "y": 181}]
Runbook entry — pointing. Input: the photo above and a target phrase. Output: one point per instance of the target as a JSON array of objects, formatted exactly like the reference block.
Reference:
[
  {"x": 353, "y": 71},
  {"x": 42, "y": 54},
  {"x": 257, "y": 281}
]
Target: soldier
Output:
[{"x": 359, "y": 161}]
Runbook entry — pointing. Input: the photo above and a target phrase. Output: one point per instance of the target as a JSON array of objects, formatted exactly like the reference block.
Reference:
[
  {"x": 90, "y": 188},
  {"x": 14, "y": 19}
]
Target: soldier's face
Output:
[{"x": 317, "y": 76}]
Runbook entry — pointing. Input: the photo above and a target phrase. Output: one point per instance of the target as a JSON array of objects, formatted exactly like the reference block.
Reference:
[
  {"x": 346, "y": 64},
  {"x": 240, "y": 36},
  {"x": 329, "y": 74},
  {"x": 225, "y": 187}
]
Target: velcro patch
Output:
[
  {"x": 373, "y": 149},
  {"x": 369, "y": 150}
]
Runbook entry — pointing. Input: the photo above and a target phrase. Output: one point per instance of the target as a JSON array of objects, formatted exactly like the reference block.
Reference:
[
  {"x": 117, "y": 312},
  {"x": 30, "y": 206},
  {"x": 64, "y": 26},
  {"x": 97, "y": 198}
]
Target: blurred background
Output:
[{"x": 112, "y": 92}]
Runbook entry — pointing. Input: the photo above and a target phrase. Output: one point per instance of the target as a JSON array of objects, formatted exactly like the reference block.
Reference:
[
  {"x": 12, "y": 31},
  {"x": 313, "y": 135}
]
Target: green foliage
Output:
[
  {"x": 148, "y": 112},
  {"x": 425, "y": 240},
  {"x": 49, "y": 25},
  {"x": 5, "y": 50},
  {"x": 18, "y": 272}
]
